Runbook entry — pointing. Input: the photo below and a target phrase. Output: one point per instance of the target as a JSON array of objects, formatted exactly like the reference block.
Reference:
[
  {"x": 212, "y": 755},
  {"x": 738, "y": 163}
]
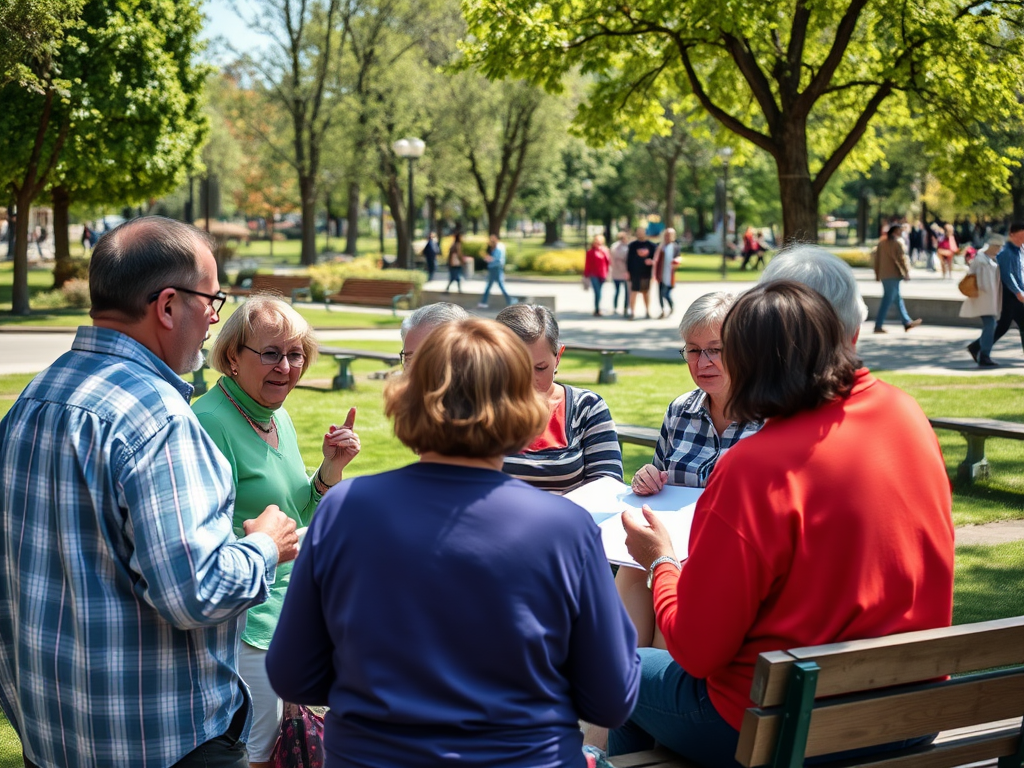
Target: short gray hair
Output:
[
  {"x": 432, "y": 315},
  {"x": 707, "y": 312},
  {"x": 825, "y": 273},
  {"x": 531, "y": 322}
]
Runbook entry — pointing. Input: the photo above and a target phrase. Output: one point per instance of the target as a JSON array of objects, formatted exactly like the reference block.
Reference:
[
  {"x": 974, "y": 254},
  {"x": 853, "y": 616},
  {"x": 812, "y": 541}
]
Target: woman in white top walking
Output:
[{"x": 988, "y": 303}]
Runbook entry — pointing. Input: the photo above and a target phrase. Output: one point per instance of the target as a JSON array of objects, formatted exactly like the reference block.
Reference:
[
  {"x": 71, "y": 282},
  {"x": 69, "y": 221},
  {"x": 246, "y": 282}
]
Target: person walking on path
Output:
[
  {"x": 620, "y": 272},
  {"x": 430, "y": 253},
  {"x": 595, "y": 268},
  {"x": 640, "y": 262},
  {"x": 495, "y": 272},
  {"x": 987, "y": 303},
  {"x": 666, "y": 258},
  {"x": 121, "y": 581},
  {"x": 889, "y": 260},
  {"x": 1011, "y": 273},
  {"x": 947, "y": 250},
  {"x": 455, "y": 259}
]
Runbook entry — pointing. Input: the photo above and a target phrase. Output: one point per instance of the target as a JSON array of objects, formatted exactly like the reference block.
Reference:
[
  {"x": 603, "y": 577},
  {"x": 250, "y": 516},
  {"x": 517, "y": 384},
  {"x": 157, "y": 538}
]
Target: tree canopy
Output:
[{"x": 807, "y": 81}]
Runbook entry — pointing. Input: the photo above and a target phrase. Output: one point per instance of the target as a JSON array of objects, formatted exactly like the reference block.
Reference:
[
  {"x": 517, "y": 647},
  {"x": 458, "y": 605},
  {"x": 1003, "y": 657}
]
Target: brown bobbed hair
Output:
[
  {"x": 470, "y": 393},
  {"x": 785, "y": 350}
]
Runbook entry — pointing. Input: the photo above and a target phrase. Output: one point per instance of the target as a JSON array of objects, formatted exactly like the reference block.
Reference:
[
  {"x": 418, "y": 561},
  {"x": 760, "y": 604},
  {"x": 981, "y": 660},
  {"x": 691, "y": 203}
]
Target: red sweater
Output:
[
  {"x": 596, "y": 263},
  {"x": 831, "y": 525}
]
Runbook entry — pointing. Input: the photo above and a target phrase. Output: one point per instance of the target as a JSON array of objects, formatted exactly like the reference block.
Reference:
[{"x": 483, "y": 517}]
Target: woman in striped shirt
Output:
[{"x": 579, "y": 443}]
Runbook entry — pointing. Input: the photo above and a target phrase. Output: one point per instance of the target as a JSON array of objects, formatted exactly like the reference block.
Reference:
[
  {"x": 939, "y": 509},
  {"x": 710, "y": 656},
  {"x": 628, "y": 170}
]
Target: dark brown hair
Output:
[
  {"x": 785, "y": 351},
  {"x": 470, "y": 393}
]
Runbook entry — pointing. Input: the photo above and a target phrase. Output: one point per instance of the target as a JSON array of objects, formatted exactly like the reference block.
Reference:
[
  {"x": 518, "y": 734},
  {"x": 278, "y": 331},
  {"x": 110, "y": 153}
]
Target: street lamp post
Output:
[
  {"x": 587, "y": 185},
  {"x": 411, "y": 150},
  {"x": 725, "y": 153}
]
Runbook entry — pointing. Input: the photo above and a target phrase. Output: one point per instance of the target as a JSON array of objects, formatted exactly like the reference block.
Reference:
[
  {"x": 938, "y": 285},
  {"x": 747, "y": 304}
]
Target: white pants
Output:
[{"x": 267, "y": 708}]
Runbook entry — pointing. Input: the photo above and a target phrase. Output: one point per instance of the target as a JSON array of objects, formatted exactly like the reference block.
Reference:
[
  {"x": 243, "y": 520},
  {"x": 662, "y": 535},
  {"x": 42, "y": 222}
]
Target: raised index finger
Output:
[{"x": 350, "y": 420}]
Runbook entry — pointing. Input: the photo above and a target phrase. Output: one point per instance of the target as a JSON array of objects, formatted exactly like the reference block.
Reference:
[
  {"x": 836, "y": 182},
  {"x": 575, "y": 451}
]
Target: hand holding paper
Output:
[{"x": 646, "y": 542}]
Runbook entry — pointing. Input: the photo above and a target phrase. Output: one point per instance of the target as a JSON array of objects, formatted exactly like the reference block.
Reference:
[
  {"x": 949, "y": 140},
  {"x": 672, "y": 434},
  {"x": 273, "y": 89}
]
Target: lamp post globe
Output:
[{"x": 587, "y": 185}]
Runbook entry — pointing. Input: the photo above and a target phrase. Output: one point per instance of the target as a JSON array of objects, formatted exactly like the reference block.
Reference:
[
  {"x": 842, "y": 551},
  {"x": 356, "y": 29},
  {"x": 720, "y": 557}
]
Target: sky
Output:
[{"x": 223, "y": 24}]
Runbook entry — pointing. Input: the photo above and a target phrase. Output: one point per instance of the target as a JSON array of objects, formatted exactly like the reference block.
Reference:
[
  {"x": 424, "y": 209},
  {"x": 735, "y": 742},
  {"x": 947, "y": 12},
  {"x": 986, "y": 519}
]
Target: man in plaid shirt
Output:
[{"x": 121, "y": 582}]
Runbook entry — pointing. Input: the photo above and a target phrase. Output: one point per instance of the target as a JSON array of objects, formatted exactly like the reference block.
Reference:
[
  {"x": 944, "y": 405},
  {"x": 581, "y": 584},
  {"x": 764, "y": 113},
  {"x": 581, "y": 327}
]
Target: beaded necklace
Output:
[{"x": 256, "y": 425}]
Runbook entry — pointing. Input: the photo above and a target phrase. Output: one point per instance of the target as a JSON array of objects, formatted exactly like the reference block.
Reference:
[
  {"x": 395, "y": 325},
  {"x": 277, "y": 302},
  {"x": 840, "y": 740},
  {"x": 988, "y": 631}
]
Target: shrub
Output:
[
  {"x": 76, "y": 293},
  {"x": 565, "y": 262},
  {"x": 327, "y": 278},
  {"x": 71, "y": 269},
  {"x": 855, "y": 258}
]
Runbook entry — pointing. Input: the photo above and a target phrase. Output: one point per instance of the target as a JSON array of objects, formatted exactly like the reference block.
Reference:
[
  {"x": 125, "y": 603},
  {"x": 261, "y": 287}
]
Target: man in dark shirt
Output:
[{"x": 639, "y": 263}]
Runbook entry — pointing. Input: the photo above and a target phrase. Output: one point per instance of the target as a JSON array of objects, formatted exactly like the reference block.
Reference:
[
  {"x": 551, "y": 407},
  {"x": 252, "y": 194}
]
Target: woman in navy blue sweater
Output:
[{"x": 448, "y": 613}]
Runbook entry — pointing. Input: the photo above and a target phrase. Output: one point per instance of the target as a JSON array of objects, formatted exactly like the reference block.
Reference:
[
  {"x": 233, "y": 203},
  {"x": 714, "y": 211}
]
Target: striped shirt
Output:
[
  {"x": 120, "y": 579},
  {"x": 689, "y": 446},
  {"x": 592, "y": 448}
]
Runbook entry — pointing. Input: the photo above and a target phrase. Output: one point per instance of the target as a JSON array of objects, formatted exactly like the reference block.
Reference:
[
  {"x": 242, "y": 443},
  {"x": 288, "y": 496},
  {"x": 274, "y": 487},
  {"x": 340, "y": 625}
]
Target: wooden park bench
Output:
[
  {"x": 631, "y": 433},
  {"x": 344, "y": 357},
  {"x": 363, "y": 291},
  {"x": 607, "y": 374},
  {"x": 975, "y": 465},
  {"x": 290, "y": 286},
  {"x": 865, "y": 693}
]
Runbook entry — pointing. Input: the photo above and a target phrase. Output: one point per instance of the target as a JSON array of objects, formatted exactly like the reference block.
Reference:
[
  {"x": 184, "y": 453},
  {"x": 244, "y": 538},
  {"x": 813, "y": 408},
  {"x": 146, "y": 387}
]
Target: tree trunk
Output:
[
  {"x": 61, "y": 247},
  {"x": 550, "y": 232},
  {"x": 796, "y": 188},
  {"x": 19, "y": 291},
  {"x": 432, "y": 215},
  {"x": 702, "y": 225},
  {"x": 394, "y": 194},
  {"x": 307, "y": 188},
  {"x": 493, "y": 219},
  {"x": 352, "y": 235},
  {"x": 670, "y": 191},
  {"x": 607, "y": 221}
]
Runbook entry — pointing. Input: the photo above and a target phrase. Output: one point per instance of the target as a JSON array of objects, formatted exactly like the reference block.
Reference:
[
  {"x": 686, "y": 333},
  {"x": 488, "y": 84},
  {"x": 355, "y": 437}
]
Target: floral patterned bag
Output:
[{"x": 301, "y": 743}]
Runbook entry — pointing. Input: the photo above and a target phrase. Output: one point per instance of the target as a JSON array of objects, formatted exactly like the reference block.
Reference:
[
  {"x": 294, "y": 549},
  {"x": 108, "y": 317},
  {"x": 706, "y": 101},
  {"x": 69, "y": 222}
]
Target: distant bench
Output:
[
  {"x": 631, "y": 433},
  {"x": 865, "y": 693},
  {"x": 975, "y": 431},
  {"x": 365, "y": 292},
  {"x": 291, "y": 286},
  {"x": 344, "y": 357},
  {"x": 607, "y": 374}
]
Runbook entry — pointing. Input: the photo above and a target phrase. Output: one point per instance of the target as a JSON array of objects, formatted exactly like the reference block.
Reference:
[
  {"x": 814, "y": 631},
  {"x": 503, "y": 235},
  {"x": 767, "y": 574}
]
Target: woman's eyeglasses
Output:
[
  {"x": 692, "y": 354},
  {"x": 273, "y": 357}
]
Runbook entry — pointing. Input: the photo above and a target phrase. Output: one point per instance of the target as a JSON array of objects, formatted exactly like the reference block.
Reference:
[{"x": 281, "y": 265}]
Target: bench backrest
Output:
[
  {"x": 843, "y": 696},
  {"x": 282, "y": 284},
  {"x": 361, "y": 286}
]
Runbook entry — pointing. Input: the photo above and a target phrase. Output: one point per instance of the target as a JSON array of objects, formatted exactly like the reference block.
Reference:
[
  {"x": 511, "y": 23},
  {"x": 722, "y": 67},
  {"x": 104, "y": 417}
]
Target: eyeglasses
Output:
[
  {"x": 404, "y": 357},
  {"x": 713, "y": 354},
  {"x": 216, "y": 299},
  {"x": 273, "y": 357}
]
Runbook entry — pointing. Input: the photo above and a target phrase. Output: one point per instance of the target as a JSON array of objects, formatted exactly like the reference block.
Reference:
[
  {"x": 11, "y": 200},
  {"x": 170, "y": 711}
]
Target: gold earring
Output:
[{"x": 234, "y": 371}]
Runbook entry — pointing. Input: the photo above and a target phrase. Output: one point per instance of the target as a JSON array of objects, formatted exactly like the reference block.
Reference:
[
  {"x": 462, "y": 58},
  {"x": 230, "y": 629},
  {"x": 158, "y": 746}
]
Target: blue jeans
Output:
[
  {"x": 891, "y": 292},
  {"x": 597, "y": 283},
  {"x": 454, "y": 276},
  {"x": 674, "y": 710},
  {"x": 988, "y": 334},
  {"x": 665, "y": 297},
  {"x": 624, "y": 285},
  {"x": 496, "y": 275}
]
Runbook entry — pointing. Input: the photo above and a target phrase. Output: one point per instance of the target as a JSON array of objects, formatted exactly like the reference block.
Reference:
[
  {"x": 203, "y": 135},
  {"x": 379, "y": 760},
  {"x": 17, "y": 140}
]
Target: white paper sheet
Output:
[{"x": 607, "y": 499}]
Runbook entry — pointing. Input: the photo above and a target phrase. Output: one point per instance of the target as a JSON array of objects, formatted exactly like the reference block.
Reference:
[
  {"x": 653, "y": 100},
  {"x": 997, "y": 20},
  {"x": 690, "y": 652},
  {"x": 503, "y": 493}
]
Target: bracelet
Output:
[
  {"x": 318, "y": 481},
  {"x": 661, "y": 561}
]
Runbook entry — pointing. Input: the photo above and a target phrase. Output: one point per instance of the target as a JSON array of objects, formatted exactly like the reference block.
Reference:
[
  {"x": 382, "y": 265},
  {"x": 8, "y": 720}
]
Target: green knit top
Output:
[{"x": 262, "y": 475}]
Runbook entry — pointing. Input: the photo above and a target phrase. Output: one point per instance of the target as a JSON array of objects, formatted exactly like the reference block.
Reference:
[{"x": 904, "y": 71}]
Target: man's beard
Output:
[{"x": 196, "y": 362}]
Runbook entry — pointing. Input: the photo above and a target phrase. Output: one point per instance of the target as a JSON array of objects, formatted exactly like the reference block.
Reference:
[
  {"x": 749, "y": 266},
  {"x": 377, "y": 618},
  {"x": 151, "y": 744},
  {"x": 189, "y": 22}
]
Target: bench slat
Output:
[
  {"x": 989, "y": 427},
  {"x": 630, "y": 433},
  {"x": 863, "y": 665},
  {"x": 878, "y": 719},
  {"x": 652, "y": 758}
]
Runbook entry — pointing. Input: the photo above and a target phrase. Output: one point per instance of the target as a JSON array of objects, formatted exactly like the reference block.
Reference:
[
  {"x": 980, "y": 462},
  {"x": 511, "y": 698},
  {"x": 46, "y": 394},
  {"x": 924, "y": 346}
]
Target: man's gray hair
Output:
[
  {"x": 825, "y": 273},
  {"x": 706, "y": 312},
  {"x": 432, "y": 315}
]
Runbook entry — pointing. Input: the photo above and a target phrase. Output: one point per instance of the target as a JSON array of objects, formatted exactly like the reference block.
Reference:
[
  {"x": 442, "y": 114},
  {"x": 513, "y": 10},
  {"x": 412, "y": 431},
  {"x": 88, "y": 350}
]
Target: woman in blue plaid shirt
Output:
[{"x": 695, "y": 433}]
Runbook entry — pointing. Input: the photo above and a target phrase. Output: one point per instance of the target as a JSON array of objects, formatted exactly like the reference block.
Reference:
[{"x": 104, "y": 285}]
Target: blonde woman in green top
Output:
[{"x": 262, "y": 352}]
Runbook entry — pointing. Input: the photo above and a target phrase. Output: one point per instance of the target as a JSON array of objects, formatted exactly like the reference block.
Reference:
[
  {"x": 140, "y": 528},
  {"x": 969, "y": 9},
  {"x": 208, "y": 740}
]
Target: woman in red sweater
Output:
[
  {"x": 814, "y": 530},
  {"x": 595, "y": 269}
]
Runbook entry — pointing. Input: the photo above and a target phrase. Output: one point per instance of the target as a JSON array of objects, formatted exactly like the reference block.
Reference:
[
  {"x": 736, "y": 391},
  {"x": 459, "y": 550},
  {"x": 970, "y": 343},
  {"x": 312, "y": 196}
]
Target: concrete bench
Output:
[
  {"x": 289, "y": 286},
  {"x": 631, "y": 433},
  {"x": 344, "y": 358},
  {"x": 866, "y": 693},
  {"x": 607, "y": 374},
  {"x": 361, "y": 291},
  {"x": 975, "y": 431}
]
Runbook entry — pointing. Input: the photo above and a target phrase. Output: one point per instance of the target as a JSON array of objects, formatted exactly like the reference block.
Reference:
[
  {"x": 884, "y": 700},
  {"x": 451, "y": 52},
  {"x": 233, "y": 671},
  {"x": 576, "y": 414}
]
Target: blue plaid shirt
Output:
[
  {"x": 689, "y": 446},
  {"x": 120, "y": 578}
]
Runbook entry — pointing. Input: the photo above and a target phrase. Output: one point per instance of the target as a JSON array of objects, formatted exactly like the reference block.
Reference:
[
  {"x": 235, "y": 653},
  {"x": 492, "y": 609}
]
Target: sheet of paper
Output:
[{"x": 607, "y": 499}]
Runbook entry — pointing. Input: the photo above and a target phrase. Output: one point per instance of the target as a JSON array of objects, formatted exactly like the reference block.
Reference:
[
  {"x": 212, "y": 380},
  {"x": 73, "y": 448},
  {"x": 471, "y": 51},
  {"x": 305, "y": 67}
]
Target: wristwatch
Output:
[{"x": 656, "y": 563}]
